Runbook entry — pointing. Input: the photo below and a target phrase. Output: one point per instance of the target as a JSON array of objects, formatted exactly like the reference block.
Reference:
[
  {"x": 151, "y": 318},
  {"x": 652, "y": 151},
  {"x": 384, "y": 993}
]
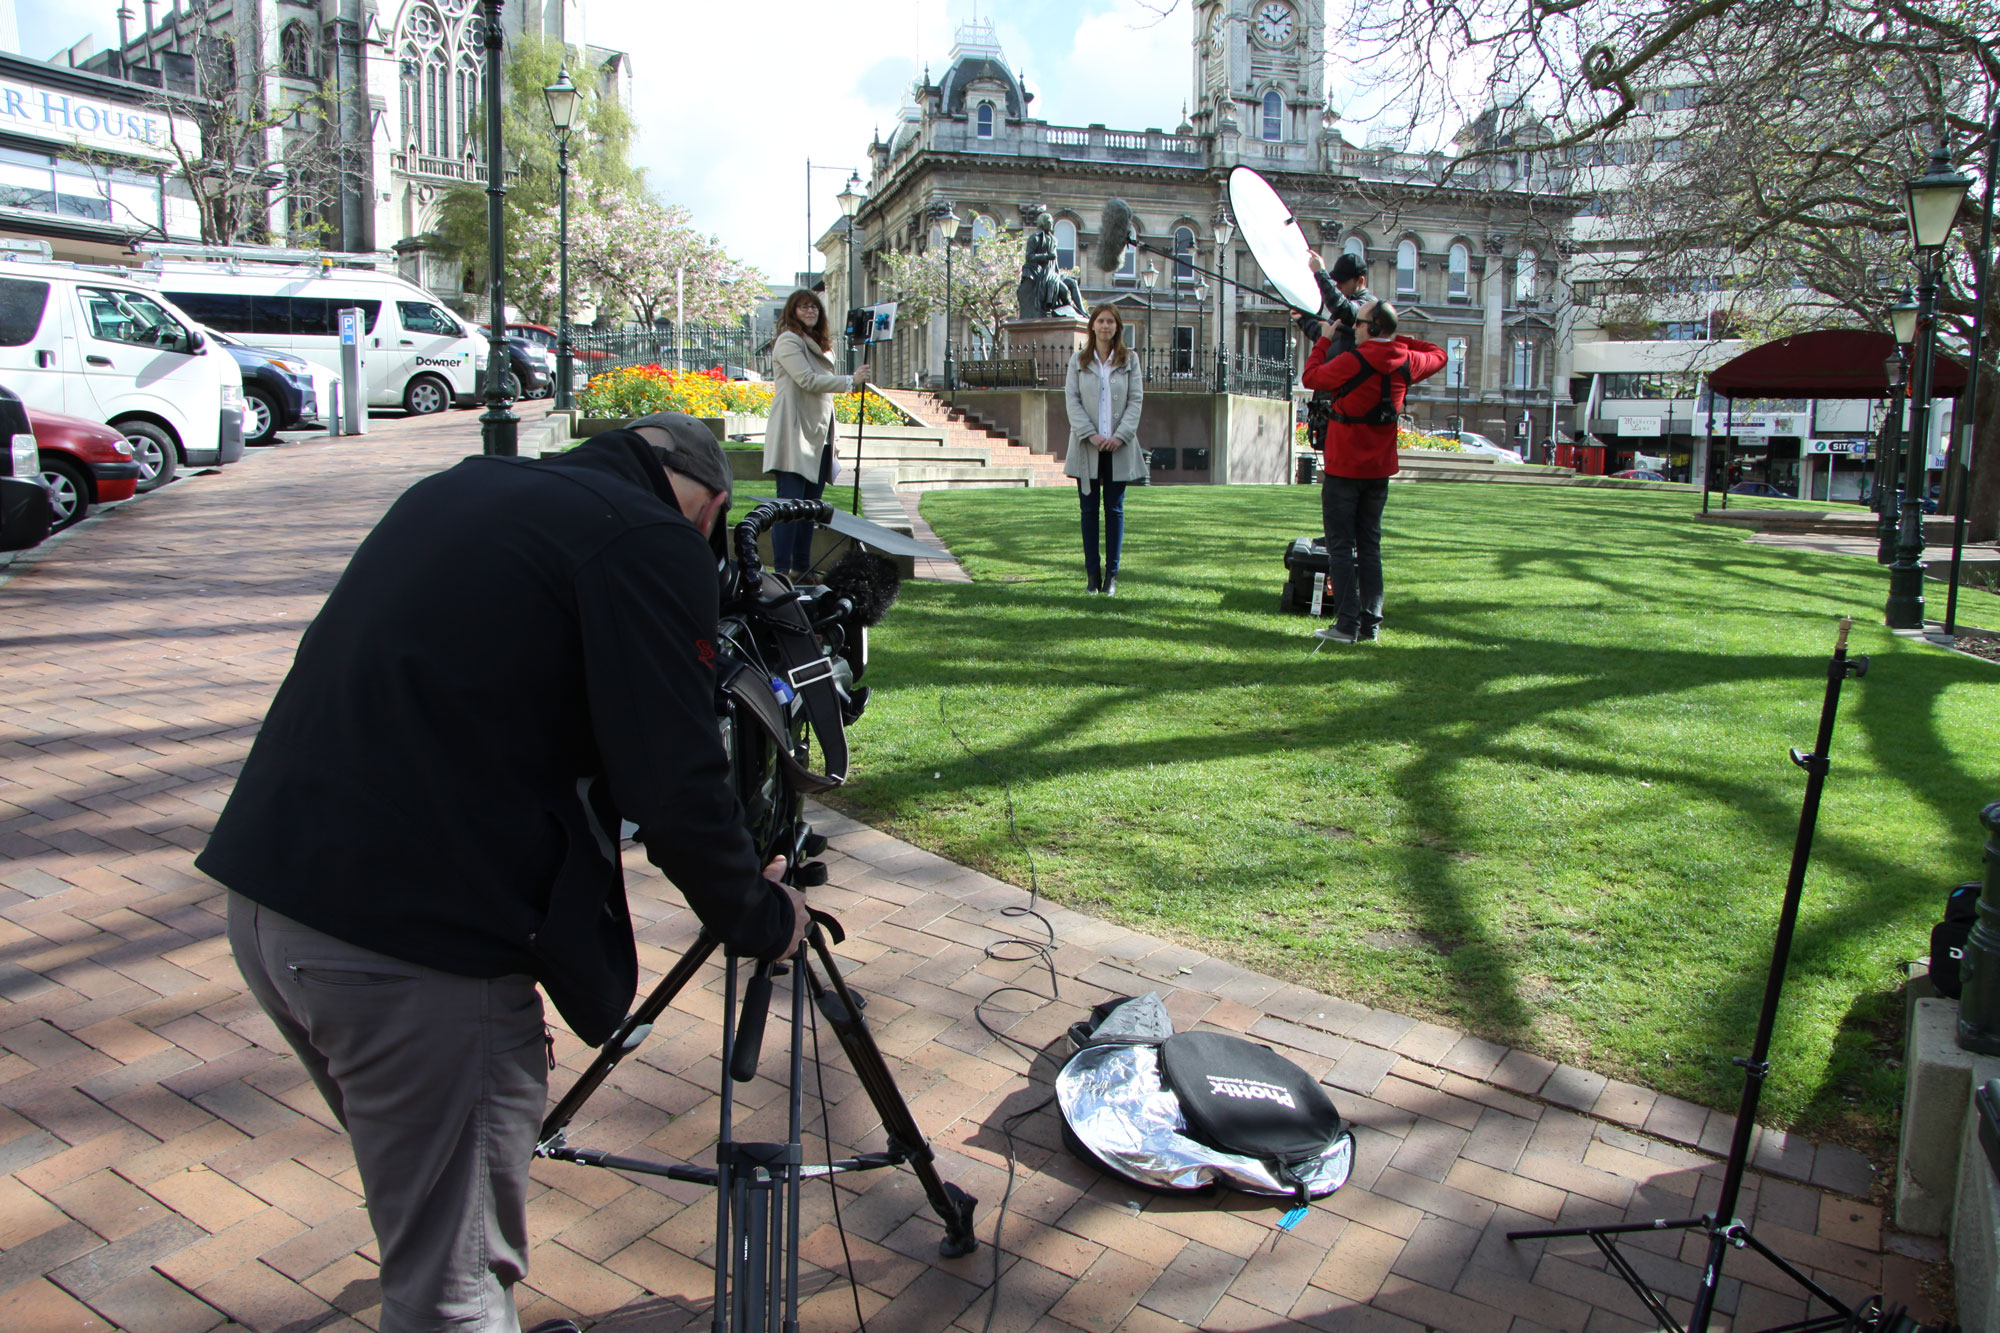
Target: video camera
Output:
[{"x": 789, "y": 662}]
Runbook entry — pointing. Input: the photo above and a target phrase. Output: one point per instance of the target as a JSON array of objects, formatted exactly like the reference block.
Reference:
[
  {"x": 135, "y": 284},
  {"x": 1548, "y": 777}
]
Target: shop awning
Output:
[{"x": 1828, "y": 363}]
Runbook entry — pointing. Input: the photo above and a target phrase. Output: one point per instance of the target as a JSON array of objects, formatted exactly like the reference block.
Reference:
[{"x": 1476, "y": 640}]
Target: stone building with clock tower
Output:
[{"x": 1475, "y": 254}]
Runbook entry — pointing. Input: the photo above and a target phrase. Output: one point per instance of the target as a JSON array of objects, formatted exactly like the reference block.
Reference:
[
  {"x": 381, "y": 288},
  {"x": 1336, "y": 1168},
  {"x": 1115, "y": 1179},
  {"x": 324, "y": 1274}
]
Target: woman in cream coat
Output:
[
  {"x": 1104, "y": 389},
  {"x": 799, "y": 448}
]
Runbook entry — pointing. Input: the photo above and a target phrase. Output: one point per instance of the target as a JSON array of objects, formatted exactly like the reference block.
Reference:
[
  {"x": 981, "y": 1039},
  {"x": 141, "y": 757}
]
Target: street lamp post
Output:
[
  {"x": 563, "y": 99},
  {"x": 1933, "y": 200},
  {"x": 1150, "y": 279},
  {"x": 1888, "y": 467},
  {"x": 948, "y": 225},
  {"x": 850, "y": 200},
  {"x": 499, "y": 429},
  {"x": 1224, "y": 233}
]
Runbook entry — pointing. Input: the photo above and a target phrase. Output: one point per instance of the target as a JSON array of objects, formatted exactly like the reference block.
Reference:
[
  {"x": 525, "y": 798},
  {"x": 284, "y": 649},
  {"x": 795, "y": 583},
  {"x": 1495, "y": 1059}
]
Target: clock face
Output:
[
  {"x": 1218, "y": 31},
  {"x": 1274, "y": 24}
]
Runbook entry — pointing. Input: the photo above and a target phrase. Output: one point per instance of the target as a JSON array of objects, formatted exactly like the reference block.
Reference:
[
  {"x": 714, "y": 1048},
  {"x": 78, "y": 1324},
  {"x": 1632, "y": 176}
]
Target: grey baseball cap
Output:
[{"x": 691, "y": 450}]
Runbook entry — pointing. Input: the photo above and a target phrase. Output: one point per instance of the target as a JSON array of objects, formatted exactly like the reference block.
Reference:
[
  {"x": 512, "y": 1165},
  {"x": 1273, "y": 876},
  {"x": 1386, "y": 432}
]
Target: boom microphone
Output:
[
  {"x": 867, "y": 580},
  {"x": 1114, "y": 233}
]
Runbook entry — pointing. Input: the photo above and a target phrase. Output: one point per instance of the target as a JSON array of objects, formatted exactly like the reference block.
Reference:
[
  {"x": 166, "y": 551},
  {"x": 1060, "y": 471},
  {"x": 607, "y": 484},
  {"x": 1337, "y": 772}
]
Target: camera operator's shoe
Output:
[
  {"x": 1111, "y": 586},
  {"x": 557, "y": 1326},
  {"x": 1335, "y": 634}
]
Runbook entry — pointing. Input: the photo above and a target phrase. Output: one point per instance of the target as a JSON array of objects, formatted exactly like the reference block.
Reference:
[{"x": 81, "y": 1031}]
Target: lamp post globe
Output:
[
  {"x": 850, "y": 201},
  {"x": 1151, "y": 279},
  {"x": 564, "y": 99},
  {"x": 1933, "y": 201}
]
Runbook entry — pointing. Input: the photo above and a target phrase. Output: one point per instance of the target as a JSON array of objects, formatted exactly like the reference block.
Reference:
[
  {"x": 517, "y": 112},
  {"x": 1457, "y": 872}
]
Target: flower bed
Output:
[
  {"x": 1405, "y": 439},
  {"x": 635, "y": 391}
]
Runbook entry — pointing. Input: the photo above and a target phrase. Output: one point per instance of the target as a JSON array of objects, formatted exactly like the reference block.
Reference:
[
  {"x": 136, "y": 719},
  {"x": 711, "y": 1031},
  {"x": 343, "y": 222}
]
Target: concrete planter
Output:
[{"x": 722, "y": 427}]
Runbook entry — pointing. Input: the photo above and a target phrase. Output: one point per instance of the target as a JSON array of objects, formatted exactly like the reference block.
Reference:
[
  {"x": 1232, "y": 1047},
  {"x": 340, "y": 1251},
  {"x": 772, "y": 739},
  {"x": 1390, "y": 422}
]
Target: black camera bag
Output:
[
  {"x": 1948, "y": 937},
  {"x": 1247, "y": 1099}
]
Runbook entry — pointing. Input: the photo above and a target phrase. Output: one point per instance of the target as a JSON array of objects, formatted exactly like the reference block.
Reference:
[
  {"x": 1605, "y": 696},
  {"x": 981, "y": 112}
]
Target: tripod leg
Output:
[{"x": 952, "y": 1204}]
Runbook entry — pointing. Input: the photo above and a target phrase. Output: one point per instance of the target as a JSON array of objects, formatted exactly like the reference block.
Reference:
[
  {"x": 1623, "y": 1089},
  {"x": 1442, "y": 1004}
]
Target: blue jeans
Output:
[
  {"x": 1351, "y": 508},
  {"x": 1112, "y": 495},
  {"x": 791, "y": 543}
]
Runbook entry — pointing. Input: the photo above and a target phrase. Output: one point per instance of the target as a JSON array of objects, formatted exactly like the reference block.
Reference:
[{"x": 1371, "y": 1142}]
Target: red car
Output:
[{"x": 83, "y": 463}]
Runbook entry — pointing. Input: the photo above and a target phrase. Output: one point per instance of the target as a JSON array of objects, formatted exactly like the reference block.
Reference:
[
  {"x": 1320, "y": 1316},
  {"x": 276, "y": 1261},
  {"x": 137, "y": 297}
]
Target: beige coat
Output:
[
  {"x": 1128, "y": 393},
  {"x": 801, "y": 405}
]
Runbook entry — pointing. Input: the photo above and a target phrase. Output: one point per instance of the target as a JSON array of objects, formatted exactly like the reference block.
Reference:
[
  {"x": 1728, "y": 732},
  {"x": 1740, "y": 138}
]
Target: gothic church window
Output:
[{"x": 295, "y": 51}]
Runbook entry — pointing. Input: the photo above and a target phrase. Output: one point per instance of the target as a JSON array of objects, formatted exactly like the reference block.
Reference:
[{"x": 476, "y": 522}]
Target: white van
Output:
[
  {"x": 415, "y": 354},
  {"x": 89, "y": 341}
]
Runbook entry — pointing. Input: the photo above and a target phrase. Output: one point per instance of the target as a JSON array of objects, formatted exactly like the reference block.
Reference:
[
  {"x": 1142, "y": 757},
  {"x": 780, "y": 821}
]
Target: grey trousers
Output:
[{"x": 440, "y": 1081}]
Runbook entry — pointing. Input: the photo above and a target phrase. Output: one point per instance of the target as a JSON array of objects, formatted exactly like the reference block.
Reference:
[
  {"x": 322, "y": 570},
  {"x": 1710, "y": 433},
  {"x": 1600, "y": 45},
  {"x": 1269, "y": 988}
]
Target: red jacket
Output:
[{"x": 1362, "y": 451}]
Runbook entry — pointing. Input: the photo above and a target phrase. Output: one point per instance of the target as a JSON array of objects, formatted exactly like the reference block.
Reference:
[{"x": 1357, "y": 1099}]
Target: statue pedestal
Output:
[{"x": 1051, "y": 340}]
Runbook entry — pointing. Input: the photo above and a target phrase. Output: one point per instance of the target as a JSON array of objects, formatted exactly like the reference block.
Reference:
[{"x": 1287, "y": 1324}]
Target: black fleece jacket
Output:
[{"x": 519, "y": 653}]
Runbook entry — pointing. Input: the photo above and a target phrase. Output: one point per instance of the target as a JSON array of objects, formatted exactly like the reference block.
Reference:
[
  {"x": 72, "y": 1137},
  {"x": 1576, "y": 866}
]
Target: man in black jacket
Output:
[{"x": 519, "y": 655}]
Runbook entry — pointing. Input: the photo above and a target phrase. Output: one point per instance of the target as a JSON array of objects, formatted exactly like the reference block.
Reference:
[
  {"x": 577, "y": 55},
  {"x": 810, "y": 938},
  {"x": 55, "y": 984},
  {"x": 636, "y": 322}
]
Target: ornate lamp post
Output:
[
  {"x": 1224, "y": 233},
  {"x": 1933, "y": 201},
  {"x": 499, "y": 429},
  {"x": 1149, "y": 279},
  {"x": 1895, "y": 372},
  {"x": 948, "y": 225},
  {"x": 850, "y": 201},
  {"x": 563, "y": 99}
]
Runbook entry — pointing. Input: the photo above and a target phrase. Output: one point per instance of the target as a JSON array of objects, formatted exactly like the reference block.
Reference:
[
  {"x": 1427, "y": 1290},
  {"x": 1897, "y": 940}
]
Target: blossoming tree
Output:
[{"x": 628, "y": 250}]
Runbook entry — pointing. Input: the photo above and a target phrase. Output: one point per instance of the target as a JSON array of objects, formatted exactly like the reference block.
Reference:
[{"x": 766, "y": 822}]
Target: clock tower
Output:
[{"x": 1260, "y": 80}]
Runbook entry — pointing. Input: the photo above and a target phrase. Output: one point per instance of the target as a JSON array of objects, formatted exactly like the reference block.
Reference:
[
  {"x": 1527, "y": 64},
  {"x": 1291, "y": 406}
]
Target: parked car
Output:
[
  {"x": 1474, "y": 443},
  {"x": 281, "y": 390},
  {"x": 530, "y": 370},
  {"x": 1639, "y": 474},
  {"x": 26, "y": 513},
  {"x": 1759, "y": 488},
  {"x": 83, "y": 463}
]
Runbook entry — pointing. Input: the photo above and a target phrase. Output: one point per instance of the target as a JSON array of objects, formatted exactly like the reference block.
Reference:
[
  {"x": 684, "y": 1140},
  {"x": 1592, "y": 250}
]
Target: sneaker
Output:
[{"x": 1335, "y": 634}]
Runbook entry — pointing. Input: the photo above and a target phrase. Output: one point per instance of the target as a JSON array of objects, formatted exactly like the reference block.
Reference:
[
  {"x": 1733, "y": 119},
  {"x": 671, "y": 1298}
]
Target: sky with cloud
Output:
[{"x": 733, "y": 99}]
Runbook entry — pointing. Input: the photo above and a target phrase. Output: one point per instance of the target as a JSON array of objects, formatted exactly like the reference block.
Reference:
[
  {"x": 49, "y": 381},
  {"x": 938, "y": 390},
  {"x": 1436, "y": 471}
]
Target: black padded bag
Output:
[
  {"x": 1948, "y": 937},
  {"x": 1247, "y": 1099}
]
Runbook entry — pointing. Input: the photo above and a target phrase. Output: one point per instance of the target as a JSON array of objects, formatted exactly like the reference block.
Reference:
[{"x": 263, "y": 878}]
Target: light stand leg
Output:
[{"x": 1723, "y": 1227}]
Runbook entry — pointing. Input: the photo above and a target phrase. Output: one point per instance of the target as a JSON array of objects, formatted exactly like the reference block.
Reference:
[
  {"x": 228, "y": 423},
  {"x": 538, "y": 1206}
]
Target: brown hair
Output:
[
  {"x": 788, "y": 319},
  {"x": 1088, "y": 352}
]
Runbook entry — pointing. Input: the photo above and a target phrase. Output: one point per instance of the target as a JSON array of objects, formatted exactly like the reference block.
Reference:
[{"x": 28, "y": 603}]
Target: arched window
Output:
[
  {"x": 983, "y": 228},
  {"x": 1357, "y": 247},
  {"x": 1406, "y": 268},
  {"x": 466, "y": 96},
  {"x": 986, "y": 120},
  {"x": 426, "y": 96},
  {"x": 1184, "y": 254},
  {"x": 295, "y": 51},
  {"x": 1274, "y": 116},
  {"x": 1458, "y": 279},
  {"x": 1065, "y": 243},
  {"x": 1524, "y": 276},
  {"x": 410, "y": 80}
]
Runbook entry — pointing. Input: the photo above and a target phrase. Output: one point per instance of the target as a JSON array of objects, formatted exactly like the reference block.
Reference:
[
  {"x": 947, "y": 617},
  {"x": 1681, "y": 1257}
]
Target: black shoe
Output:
[
  {"x": 1094, "y": 585},
  {"x": 557, "y": 1326},
  {"x": 1111, "y": 586}
]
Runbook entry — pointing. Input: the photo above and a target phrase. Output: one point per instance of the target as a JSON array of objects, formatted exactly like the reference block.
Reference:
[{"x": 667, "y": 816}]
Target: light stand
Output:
[
  {"x": 1958, "y": 466},
  {"x": 1724, "y": 1229},
  {"x": 499, "y": 429},
  {"x": 948, "y": 225},
  {"x": 563, "y": 99},
  {"x": 1933, "y": 200}
]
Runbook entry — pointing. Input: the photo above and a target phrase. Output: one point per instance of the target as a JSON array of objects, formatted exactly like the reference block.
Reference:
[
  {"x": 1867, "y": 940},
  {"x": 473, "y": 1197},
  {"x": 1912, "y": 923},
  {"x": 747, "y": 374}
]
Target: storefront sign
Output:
[
  {"x": 74, "y": 119},
  {"x": 1856, "y": 448},
  {"x": 1639, "y": 426}
]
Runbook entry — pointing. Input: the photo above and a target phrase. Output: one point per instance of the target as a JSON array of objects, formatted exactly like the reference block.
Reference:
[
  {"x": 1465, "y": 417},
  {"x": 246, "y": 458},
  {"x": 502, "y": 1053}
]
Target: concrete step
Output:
[{"x": 966, "y": 430}]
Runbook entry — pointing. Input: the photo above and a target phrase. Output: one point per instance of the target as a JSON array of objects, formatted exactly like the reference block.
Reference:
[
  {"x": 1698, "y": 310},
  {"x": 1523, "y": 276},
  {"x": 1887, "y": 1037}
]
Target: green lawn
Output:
[{"x": 1552, "y": 806}]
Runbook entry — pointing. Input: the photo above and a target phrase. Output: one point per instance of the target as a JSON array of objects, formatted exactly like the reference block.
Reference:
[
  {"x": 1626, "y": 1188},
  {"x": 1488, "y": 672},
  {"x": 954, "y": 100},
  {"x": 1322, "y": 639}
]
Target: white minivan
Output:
[
  {"x": 88, "y": 341},
  {"x": 415, "y": 354}
]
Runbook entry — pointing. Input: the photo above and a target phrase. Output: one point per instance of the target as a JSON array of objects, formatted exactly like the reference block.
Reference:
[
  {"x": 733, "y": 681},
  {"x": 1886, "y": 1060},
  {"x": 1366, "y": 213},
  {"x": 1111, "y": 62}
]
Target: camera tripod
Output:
[
  {"x": 1723, "y": 1228},
  {"x": 757, "y": 1184}
]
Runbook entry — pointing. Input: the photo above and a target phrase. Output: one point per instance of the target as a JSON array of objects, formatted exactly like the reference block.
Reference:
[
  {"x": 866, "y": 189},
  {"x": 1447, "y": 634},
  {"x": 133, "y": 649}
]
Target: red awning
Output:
[{"x": 1830, "y": 363}]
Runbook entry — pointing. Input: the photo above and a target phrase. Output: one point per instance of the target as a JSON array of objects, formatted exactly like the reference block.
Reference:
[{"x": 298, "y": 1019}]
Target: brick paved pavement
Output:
[{"x": 169, "y": 1169}]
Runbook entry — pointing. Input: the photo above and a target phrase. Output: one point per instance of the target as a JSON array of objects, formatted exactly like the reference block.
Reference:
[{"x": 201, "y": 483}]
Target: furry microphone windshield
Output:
[{"x": 1114, "y": 233}]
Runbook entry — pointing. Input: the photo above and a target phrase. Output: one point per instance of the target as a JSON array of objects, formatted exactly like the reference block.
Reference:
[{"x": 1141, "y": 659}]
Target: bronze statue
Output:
[{"x": 1045, "y": 289}]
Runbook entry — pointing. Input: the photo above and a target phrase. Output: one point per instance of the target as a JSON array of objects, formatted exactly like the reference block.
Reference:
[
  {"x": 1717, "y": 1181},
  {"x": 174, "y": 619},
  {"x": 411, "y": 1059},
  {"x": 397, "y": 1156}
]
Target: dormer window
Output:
[
  {"x": 985, "y": 120},
  {"x": 1274, "y": 117}
]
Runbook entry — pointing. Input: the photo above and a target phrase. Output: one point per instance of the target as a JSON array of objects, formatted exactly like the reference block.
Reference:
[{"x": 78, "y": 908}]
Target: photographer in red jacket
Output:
[{"x": 1368, "y": 385}]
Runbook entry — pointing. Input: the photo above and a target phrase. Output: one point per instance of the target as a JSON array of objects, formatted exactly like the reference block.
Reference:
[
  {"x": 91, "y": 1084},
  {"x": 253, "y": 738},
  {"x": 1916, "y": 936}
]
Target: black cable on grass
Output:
[{"x": 1012, "y": 949}]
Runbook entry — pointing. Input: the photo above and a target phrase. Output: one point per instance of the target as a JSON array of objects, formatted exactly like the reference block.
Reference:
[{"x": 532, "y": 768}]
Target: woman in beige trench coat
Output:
[{"x": 799, "y": 448}]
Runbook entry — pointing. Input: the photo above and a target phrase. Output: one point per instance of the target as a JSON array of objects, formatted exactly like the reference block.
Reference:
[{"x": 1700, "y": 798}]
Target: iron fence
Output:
[
  {"x": 1167, "y": 370},
  {"x": 695, "y": 347}
]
